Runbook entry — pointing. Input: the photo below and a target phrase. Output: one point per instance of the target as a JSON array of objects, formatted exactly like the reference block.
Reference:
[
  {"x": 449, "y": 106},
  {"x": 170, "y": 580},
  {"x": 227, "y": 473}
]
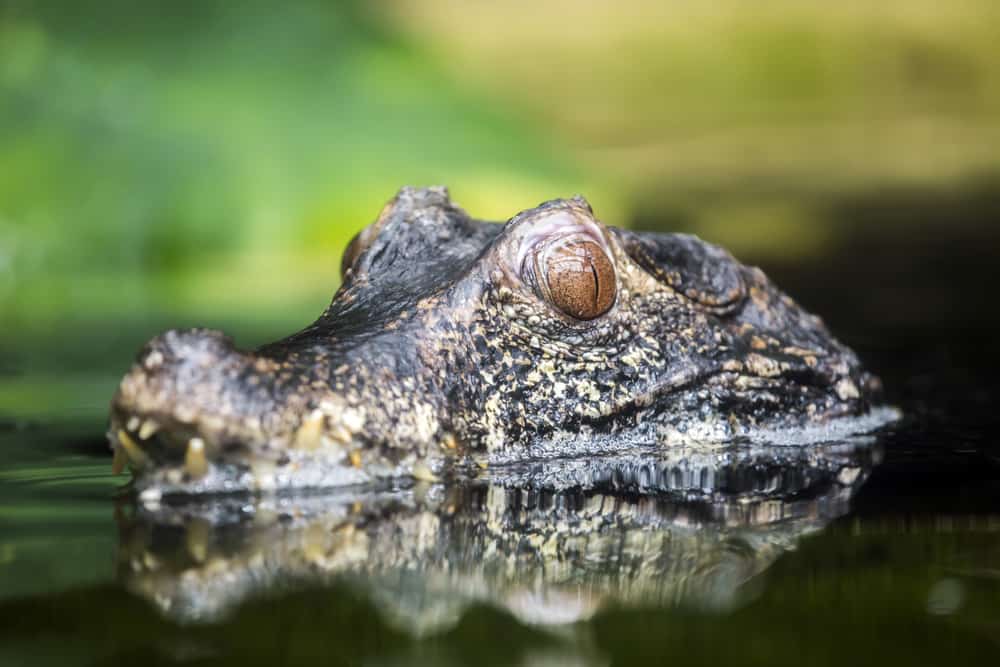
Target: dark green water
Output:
[
  {"x": 879, "y": 553},
  {"x": 907, "y": 571}
]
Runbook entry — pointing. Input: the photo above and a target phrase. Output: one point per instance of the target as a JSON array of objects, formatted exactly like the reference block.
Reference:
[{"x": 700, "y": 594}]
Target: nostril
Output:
[
  {"x": 175, "y": 371},
  {"x": 184, "y": 388},
  {"x": 201, "y": 346},
  {"x": 152, "y": 360}
]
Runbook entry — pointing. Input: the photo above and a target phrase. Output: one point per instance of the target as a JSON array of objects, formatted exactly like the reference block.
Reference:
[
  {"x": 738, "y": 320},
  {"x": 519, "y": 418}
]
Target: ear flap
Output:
[{"x": 700, "y": 271}]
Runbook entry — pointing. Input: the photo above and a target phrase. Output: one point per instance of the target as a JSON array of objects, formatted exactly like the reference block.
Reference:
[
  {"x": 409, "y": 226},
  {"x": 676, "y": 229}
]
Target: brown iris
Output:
[{"x": 580, "y": 279}]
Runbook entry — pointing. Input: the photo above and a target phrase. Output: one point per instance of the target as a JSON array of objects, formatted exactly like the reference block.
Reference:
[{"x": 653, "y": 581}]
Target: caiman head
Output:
[{"x": 455, "y": 342}]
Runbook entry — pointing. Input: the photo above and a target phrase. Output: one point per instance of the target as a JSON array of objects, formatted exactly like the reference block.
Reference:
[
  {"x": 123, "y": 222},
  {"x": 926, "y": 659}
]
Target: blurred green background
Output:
[
  {"x": 203, "y": 162},
  {"x": 169, "y": 163}
]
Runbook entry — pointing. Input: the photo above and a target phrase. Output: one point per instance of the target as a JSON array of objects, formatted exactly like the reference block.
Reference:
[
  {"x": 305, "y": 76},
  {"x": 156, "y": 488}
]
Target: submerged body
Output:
[{"x": 453, "y": 342}]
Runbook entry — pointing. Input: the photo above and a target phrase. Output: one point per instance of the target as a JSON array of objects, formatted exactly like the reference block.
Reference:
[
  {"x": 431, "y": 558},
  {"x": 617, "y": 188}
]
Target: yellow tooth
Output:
[
  {"x": 263, "y": 473},
  {"x": 119, "y": 461},
  {"x": 355, "y": 457},
  {"x": 136, "y": 455},
  {"x": 340, "y": 434},
  {"x": 196, "y": 539},
  {"x": 132, "y": 424},
  {"x": 151, "y": 562},
  {"x": 422, "y": 473},
  {"x": 308, "y": 435},
  {"x": 148, "y": 429},
  {"x": 195, "y": 462},
  {"x": 314, "y": 542}
]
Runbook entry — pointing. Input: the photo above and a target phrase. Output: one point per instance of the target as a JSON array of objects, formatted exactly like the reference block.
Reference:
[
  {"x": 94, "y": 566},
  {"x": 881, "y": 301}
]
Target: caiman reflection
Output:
[{"x": 551, "y": 543}]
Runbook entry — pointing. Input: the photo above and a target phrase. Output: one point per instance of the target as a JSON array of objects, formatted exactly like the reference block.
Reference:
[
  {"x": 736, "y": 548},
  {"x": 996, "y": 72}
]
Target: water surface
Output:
[{"x": 872, "y": 551}]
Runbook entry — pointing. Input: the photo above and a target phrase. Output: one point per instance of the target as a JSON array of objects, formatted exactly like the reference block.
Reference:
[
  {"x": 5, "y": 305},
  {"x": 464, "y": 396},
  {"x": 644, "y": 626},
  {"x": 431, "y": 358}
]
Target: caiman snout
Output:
[
  {"x": 189, "y": 395},
  {"x": 195, "y": 412}
]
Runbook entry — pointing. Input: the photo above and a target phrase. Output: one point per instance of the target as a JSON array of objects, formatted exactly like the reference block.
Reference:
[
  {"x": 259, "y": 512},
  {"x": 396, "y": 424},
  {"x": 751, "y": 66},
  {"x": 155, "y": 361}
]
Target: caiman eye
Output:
[{"x": 580, "y": 279}]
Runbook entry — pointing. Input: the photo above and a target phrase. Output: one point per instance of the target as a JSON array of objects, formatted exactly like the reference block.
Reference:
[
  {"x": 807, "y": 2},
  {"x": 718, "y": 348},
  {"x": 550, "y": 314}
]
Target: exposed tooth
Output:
[
  {"x": 151, "y": 496},
  {"x": 422, "y": 473},
  {"x": 151, "y": 562},
  {"x": 196, "y": 539},
  {"x": 148, "y": 429},
  {"x": 308, "y": 435},
  {"x": 137, "y": 456},
  {"x": 119, "y": 461},
  {"x": 449, "y": 441},
  {"x": 195, "y": 462},
  {"x": 340, "y": 434},
  {"x": 355, "y": 457},
  {"x": 263, "y": 473},
  {"x": 314, "y": 542},
  {"x": 327, "y": 442},
  {"x": 132, "y": 423}
]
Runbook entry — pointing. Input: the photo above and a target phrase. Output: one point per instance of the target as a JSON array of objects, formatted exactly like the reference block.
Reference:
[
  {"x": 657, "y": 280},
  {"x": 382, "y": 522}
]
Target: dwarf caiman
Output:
[{"x": 454, "y": 343}]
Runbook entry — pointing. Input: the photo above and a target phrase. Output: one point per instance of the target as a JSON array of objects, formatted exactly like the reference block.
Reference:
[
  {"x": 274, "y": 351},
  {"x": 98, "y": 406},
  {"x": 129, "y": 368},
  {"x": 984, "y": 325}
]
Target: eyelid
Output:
[
  {"x": 541, "y": 245},
  {"x": 562, "y": 226}
]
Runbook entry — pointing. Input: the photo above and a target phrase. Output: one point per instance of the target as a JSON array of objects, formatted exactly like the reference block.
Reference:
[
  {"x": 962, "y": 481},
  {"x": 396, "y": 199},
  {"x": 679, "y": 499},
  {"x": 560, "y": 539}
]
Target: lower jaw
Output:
[
  {"x": 180, "y": 461},
  {"x": 181, "y": 467}
]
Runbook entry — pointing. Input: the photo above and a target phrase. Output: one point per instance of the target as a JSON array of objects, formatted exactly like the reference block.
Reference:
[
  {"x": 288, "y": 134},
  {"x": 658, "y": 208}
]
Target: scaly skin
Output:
[{"x": 438, "y": 352}]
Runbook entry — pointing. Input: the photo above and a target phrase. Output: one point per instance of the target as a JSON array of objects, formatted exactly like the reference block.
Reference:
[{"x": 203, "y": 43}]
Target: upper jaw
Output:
[
  {"x": 195, "y": 415},
  {"x": 174, "y": 445},
  {"x": 171, "y": 458},
  {"x": 170, "y": 454}
]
